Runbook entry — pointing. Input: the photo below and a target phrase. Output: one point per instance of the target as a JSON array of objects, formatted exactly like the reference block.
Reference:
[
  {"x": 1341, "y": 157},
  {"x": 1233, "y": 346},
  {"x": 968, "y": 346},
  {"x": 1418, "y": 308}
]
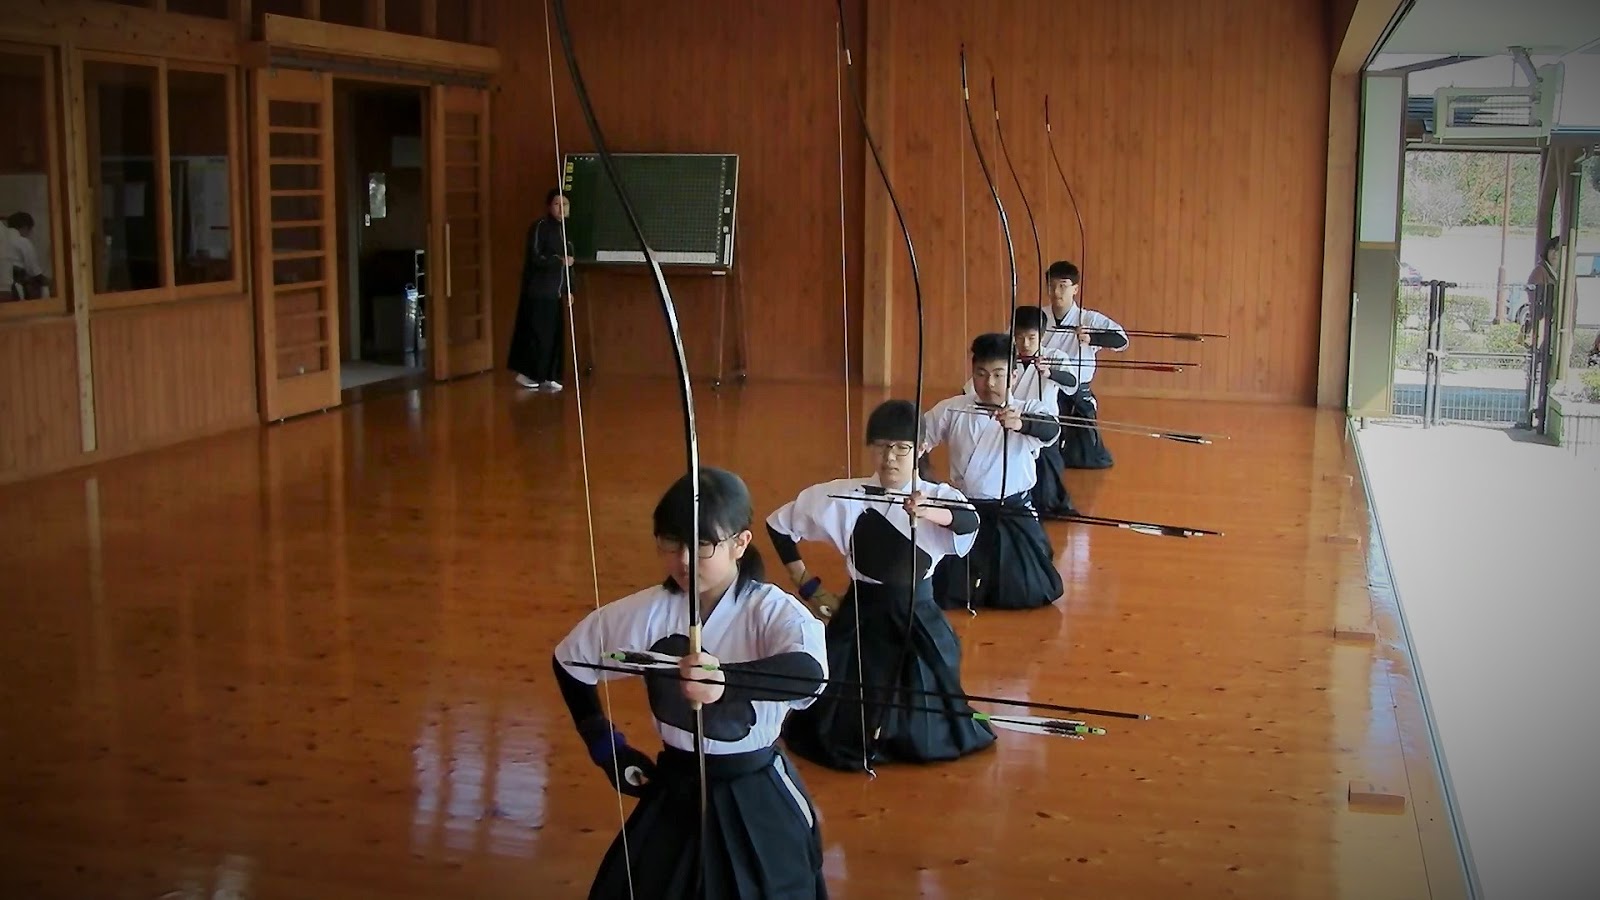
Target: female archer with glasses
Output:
[
  {"x": 869, "y": 521},
  {"x": 761, "y": 826}
]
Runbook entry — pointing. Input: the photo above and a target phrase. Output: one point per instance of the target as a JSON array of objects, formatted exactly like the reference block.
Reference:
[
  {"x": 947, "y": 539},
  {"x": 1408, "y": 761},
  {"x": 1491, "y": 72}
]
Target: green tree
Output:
[{"x": 1452, "y": 188}]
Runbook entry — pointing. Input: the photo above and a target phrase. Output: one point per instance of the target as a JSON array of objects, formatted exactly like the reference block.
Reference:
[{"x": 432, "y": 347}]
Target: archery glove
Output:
[
  {"x": 610, "y": 751},
  {"x": 815, "y": 597},
  {"x": 822, "y": 603}
]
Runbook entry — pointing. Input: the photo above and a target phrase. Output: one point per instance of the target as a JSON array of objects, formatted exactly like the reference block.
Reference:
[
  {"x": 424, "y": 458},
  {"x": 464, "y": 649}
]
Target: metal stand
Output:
[
  {"x": 739, "y": 348},
  {"x": 1434, "y": 366}
]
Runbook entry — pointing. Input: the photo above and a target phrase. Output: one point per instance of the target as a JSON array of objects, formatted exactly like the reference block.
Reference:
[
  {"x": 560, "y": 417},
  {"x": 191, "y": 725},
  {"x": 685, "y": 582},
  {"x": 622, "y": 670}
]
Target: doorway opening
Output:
[
  {"x": 382, "y": 209},
  {"x": 1463, "y": 343}
]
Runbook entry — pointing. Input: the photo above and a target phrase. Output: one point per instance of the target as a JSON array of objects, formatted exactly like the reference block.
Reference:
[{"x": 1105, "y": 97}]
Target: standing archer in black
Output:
[{"x": 536, "y": 340}]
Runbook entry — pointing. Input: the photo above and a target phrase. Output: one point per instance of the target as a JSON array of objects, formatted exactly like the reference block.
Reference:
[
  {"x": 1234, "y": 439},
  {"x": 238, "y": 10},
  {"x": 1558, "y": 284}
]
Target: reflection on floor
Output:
[
  {"x": 356, "y": 373},
  {"x": 313, "y": 660},
  {"x": 1490, "y": 536}
]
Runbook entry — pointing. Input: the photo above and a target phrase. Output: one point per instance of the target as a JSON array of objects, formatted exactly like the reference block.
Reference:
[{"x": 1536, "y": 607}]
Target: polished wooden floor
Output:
[{"x": 313, "y": 661}]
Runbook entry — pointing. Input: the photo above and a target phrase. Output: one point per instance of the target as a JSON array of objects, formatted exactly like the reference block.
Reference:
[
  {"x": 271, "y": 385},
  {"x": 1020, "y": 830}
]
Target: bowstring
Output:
[
  {"x": 849, "y": 446},
  {"x": 583, "y": 447},
  {"x": 963, "y": 217},
  {"x": 844, "y": 264}
]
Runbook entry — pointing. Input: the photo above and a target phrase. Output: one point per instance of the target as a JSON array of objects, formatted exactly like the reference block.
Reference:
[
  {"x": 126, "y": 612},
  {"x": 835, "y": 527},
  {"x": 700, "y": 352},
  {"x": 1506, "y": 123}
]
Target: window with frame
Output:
[
  {"x": 31, "y": 181},
  {"x": 162, "y": 166}
]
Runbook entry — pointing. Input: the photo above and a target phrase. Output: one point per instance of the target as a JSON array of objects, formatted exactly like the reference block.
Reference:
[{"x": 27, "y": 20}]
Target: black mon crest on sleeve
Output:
[{"x": 725, "y": 720}]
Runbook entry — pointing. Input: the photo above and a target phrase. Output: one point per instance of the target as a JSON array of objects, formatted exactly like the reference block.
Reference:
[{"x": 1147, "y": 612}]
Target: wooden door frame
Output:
[
  {"x": 441, "y": 264},
  {"x": 424, "y": 88},
  {"x": 303, "y": 396}
]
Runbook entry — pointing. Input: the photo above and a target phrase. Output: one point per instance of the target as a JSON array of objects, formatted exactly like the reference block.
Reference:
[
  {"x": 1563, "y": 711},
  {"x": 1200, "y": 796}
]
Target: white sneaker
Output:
[
  {"x": 550, "y": 385},
  {"x": 525, "y": 381}
]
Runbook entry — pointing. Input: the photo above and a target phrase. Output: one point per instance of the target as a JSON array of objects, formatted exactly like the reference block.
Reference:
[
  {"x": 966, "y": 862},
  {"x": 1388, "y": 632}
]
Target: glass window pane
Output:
[
  {"x": 27, "y": 239},
  {"x": 127, "y": 183},
  {"x": 202, "y": 208}
]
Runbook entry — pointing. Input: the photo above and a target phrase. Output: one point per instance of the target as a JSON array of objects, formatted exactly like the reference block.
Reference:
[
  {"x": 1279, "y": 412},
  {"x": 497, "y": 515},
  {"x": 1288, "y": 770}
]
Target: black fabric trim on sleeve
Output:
[
  {"x": 787, "y": 551},
  {"x": 963, "y": 521},
  {"x": 583, "y": 700},
  {"x": 800, "y": 675},
  {"x": 1040, "y": 429},
  {"x": 1111, "y": 340}
]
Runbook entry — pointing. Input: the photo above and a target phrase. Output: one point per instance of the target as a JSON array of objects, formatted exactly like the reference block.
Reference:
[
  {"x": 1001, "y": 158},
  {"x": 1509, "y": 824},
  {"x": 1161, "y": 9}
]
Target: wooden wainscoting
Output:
[
  {"x": 38, "y": 396},
  {"x": 173, "y": 371}
]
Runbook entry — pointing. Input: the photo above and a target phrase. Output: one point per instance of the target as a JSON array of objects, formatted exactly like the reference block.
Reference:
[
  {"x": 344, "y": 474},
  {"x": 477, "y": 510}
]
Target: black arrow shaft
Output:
[{"x": 1053, "y": 707}]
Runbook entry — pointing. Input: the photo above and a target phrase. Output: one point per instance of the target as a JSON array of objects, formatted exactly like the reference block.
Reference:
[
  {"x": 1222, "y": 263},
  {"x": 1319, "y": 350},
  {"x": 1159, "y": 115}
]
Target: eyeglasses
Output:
[
  {"x": 896, "y": 449},
  {"x": 673, "y": 547}
]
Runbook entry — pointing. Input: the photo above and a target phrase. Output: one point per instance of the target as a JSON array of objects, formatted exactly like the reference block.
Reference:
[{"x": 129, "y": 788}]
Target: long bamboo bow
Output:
[{"x": 685, "y": 388}]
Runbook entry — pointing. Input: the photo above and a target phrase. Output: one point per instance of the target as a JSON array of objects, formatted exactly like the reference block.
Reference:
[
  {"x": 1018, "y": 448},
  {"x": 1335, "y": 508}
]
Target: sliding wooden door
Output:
[
  {"x": 297, "y": 291},
  {"x": 458, "y": 303}
]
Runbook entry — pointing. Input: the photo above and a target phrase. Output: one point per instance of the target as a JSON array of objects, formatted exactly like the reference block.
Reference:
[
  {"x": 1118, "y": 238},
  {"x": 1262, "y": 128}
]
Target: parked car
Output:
[
  {"x": 1587, "y": 284},
  {"x": 1409, "y": 274}
]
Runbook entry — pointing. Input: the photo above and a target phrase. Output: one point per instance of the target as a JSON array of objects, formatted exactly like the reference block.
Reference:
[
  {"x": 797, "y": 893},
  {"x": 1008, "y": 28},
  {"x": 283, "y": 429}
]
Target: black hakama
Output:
[
  {"x": 829, "y": 732},
  {"x": 1081, "y": 447},
  {"x": 761, "y": 833},
  {"x": 539, "y": 332},
  {"x": 537, "y": 338},
  {"x": 1011, "y": 565},
  {"x": 1050, "y": 495}
]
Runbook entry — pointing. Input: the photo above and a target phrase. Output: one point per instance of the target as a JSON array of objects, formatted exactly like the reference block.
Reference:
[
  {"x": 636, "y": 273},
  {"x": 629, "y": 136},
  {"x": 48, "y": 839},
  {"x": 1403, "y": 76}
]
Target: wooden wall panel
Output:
[
  {"x": 756, "y": 79},
  {"x": 38, "y": 396},
  {"x": 173, "y": 371},
  {"x": 1194, "y": 135}
]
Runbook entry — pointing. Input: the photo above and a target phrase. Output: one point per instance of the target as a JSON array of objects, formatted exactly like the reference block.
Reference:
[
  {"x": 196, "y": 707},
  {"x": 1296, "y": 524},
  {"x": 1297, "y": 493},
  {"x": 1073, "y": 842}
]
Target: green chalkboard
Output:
[{"x": 685, "y": 203}]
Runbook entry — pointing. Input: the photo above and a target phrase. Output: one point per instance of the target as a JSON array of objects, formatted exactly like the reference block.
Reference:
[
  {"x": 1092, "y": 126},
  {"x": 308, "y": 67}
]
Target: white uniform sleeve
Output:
[
  {"x": 951, "y": 543},
  {"x": 611, "y": 627},
  {"x": 799, "y": 517},
  {"x": 1099, "y": 320},
  {"x": 790, "y": 628},
  {"x": 935, "y": 427},
  {"x": 1035, "y": 408}
]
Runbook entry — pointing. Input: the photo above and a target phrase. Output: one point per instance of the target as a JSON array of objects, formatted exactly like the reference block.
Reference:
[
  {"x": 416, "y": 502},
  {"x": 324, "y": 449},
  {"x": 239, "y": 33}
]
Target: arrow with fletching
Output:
[
  {"x": 1040, "y": 725},
  {"x": 1154, "y": 529},
  {"x": 1182, "y": 437},
  {"x": 1193, "y": 336},
  {"x": 653, "y": 659},
  {"x": 1160, "y": 364}
]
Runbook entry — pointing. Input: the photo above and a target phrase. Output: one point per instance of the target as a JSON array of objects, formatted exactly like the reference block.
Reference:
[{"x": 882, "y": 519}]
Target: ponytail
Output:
[{"x": 752, "y": 570}]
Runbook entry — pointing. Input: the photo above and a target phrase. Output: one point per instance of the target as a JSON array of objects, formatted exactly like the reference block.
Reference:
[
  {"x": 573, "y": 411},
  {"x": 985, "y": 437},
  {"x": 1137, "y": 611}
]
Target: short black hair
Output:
[
  {"x": 1028, "y": 318},
  {"x": 725, "y": 510},
  {"x": 19, "y": 220},
  {"x": 992, "y": 347},
  {"x": 551, "y": 195},
  {"x": 893, "y": 420},
  {"x": 1062, "y": 269}
]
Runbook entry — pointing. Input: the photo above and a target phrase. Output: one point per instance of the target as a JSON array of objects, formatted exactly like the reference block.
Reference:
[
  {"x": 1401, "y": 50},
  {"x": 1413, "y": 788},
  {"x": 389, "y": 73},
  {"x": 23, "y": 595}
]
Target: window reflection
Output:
[
  {"x": 27, "y": 244},
  {"x": 125, "y": 181},
  {"x": 202, "y": 212}
]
